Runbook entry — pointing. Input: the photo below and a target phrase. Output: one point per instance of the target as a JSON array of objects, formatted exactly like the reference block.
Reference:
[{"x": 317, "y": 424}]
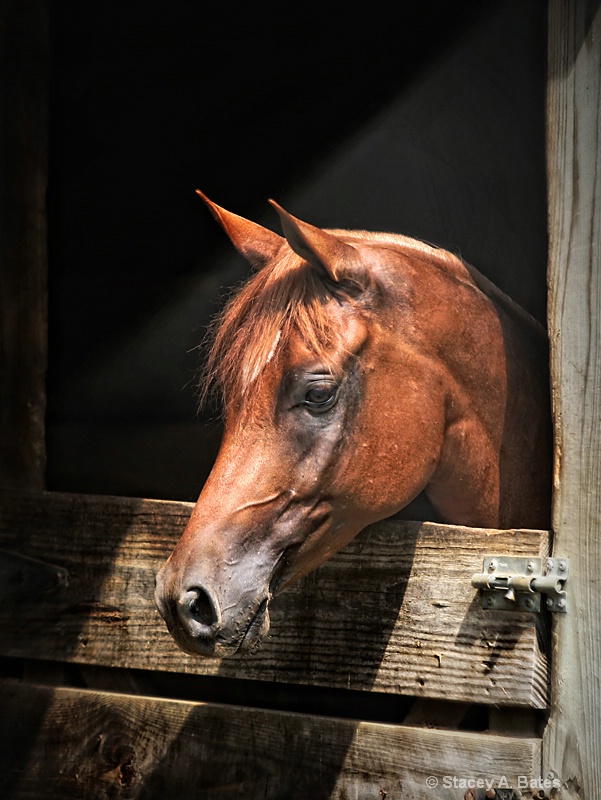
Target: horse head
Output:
[{"x": 356, "y": 370}]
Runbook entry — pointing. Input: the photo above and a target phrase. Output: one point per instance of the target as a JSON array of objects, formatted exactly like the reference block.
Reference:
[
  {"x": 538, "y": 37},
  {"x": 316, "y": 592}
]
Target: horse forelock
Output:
[{"x": 287, "y": 297}]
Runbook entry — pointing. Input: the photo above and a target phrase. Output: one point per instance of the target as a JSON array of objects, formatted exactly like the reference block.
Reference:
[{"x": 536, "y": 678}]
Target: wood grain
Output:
[
  {"x": 393, "y": 612},
  {"x": 23, "y": 257},
  {"x": 573, "y": 737},
  {"x": 81, "y": 744}
]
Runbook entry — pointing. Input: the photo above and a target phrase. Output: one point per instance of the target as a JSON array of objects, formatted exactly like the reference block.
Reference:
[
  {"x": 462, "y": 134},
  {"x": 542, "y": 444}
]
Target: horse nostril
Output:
[{"x": 199, "y": 610}]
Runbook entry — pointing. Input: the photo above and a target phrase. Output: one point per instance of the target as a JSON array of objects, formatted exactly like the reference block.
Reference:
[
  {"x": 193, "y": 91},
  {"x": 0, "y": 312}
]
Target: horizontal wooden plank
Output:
[
  {"x": 79, "y": 744},
  {"x": 393, "y": 612}
]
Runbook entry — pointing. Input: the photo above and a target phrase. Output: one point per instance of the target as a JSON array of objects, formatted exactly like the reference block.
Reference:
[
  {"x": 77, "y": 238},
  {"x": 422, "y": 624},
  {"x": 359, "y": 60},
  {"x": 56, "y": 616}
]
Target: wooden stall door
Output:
[{"x": 77, "y": 582}]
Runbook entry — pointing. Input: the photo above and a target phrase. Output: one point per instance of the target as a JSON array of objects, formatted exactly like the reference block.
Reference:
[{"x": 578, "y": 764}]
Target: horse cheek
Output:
[{"x": 396, "y": 454}]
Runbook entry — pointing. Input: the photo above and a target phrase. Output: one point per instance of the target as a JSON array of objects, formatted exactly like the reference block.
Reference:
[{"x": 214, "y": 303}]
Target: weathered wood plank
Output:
[
  {"x": 393, "y": 612},
  {"x": 573, "y": 737},
  {"x": 81, "y": 744},
  {"x": 23, "y": 295}
]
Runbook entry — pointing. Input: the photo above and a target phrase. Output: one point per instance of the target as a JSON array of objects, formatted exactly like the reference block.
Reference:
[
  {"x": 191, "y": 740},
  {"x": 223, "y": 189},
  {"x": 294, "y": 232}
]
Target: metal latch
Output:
[{"x": 510, "y": 583}]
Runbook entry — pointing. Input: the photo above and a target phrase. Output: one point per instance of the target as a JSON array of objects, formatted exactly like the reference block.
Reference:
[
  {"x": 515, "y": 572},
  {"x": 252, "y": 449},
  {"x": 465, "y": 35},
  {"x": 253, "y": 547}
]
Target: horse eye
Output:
[{"x": 321, "y": 397}]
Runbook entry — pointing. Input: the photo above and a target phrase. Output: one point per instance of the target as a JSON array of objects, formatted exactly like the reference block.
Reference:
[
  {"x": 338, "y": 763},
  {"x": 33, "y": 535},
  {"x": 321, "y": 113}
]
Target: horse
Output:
[{"x": 356, "y": 371}]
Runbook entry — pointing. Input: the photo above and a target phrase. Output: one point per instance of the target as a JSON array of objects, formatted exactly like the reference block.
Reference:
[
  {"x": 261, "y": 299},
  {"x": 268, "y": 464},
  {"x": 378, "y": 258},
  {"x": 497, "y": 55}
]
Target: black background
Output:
[{"x": 151, "y": 101}]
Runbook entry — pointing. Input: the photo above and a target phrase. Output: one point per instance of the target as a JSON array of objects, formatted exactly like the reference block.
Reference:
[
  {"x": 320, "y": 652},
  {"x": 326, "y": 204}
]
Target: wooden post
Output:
[
  {"x": 23, "y": 295},
  {"x": 572, "y": 741}
]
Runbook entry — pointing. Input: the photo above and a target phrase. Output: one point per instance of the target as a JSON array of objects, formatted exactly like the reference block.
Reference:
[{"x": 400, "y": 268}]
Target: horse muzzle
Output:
[{"x": 202, "y": 625}]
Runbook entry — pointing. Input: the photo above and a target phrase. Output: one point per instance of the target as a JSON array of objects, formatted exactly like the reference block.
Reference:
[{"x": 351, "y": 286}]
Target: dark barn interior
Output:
[
  {"x": 428, "y": 123},
  {"x": 389, "y": 668}
]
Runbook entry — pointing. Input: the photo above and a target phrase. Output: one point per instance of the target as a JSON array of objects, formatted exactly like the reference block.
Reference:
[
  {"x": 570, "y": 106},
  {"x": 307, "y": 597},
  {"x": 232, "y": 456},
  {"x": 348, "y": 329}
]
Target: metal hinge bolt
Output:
[{"x": 511, "y": 583}]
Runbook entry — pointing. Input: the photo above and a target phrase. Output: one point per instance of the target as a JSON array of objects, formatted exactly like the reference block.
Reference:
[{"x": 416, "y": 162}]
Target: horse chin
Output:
[
  {"x": 257, "y": 630},
  {"x": 197, "y": 647}
]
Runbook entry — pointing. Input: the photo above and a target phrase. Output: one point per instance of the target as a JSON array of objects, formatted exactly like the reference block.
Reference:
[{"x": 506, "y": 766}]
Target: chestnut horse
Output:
[{"x": 357, "y": 370}]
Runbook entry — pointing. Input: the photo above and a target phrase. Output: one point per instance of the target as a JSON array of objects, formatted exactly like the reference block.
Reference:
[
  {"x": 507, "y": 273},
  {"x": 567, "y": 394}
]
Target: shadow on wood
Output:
[{"x": 118, "y": 746}]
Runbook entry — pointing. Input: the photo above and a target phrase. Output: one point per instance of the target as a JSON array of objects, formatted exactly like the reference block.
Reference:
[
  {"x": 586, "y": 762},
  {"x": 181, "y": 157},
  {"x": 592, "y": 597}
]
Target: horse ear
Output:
[
  {"x": 256, "y": 243},
  {"x": 325, "y": 251}
]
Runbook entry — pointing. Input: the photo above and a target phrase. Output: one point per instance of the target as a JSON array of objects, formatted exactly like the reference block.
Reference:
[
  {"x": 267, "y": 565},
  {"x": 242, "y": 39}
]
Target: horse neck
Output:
[{"x": 511, "y": 363}]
